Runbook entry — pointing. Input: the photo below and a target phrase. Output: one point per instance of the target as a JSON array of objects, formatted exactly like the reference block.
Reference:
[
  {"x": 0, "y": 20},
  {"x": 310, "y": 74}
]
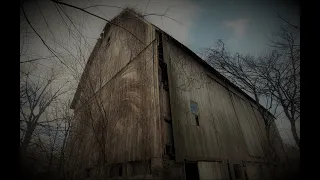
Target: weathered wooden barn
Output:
[{"x": 147, "y": 107}]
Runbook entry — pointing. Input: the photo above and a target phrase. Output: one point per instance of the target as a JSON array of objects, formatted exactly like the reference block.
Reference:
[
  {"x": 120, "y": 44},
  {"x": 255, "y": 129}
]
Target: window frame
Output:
[{"x": 194, "y": 112}]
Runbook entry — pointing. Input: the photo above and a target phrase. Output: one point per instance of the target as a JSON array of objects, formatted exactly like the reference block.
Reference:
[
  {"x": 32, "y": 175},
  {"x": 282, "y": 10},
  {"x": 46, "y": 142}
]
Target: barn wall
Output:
[
  {"x": 229, "y": 127},
  {"x": 122, "y": 110},
  {"x": 116, "y": 48}
]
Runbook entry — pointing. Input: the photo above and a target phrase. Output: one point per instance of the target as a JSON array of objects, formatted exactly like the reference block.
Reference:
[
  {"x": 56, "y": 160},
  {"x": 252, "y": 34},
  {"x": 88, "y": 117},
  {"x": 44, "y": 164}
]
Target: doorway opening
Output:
[{"x": 192, "y": 172}]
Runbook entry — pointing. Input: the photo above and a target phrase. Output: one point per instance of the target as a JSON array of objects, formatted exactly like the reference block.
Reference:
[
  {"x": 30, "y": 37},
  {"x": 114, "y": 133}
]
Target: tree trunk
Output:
[
  {"x": 27, "y": 138},
  {"x": 294, "y": 133},
  {"x": 62, "y": 153},
  {"x": 293, "y": 127}
]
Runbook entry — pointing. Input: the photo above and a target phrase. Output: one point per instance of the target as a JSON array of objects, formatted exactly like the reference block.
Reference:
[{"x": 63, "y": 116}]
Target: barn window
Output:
[
  {"x": 237, "y": 171},
  {"x": 197, "y": 119},
  {"x": 193, "y": 107},
  {"x": 194, "y": 110}
]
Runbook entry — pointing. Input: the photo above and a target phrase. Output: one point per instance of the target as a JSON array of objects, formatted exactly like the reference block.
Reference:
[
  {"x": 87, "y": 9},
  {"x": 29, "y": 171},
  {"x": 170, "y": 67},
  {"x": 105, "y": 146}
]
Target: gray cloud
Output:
[{"x": 238, "y": 26}]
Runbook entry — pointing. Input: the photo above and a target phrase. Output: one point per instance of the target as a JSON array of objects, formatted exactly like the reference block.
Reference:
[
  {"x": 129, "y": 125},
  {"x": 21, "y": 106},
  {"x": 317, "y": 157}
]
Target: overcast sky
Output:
[{"x": 243, "y": 24}]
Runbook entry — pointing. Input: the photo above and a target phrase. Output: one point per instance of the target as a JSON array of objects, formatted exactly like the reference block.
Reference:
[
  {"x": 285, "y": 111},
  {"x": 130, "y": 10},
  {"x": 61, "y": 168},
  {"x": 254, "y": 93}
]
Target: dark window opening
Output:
[
  {"x": 192, "y": 172},
  {"x": 197, "y": 119},
  {"x": 237, "y": 171},
  {"x": 194, "y": 110},
  {"x": 116, "y": 170},
  {"x": 193, "y": 107},
  {"x": 120, "y": 171},
  {"x": 88, "y": 172}
]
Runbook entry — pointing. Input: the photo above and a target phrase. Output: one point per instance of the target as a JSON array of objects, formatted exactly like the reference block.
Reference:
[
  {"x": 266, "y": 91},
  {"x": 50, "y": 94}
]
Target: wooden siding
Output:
[
  {"x": 248, "y": 126},
  {"x": 228, "y": 126},
  {"x": 126, "y": 91},
  {"x": 107, "y": 59}
]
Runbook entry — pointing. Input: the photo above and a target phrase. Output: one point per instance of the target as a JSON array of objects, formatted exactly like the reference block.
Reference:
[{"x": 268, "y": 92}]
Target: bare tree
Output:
[
  {"x": 241, "y": 70},
  {"x": 274, "y": 78},
  {"x": 97, "y": 117},
  {"x": 65, "y": 139},
  {"x": 283, "y": 74},
  {"x": 36, "y": 95},
  {"x": 47, "y": 150}
]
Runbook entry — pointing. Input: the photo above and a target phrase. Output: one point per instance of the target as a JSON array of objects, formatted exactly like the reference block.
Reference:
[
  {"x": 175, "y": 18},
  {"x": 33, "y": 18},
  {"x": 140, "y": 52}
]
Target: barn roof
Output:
[{"x": 191, "y": 53}]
